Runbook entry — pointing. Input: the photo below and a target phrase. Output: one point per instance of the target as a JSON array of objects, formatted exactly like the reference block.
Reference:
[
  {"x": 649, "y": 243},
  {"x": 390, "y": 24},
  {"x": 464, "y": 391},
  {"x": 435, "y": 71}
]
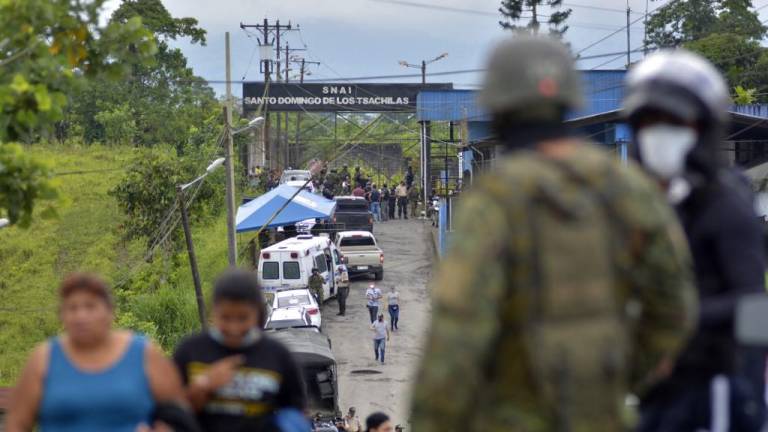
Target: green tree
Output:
[
  {"x": 119, "y": 125},
  {"x": 727, "y": 32},
  {"x": 680, "y": 22},
  {"x": 148, "y": 191},
  {"x": 735, "y": 56},
  {"x": 47, "y": 50},
  {"x": 165, "y": 98},
  {"x": 512, "y": 14}
]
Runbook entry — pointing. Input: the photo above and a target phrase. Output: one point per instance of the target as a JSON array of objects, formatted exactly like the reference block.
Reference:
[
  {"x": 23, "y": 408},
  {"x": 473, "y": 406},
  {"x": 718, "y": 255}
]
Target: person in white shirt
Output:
[
  {"x": 373, "y": 295},
  {"x": 393, "y": 302},
  {"x": 380, "y": 336},
  {"x": 352, "y": 422}
]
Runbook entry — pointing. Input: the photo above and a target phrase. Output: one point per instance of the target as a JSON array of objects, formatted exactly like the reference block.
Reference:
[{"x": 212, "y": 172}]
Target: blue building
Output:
[{"x": 600, "y": 119}]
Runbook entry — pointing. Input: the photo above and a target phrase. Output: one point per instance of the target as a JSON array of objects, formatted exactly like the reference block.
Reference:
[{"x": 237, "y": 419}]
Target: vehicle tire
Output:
[{"x": 379, "y": 275}]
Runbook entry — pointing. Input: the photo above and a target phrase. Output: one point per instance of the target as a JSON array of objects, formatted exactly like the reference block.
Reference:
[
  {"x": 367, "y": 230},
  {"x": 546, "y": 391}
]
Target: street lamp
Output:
[
  {"x": 188, "y": 237},
  {"x": 423, "y": 65},
  {"x": 251, "y": 124},
  {"x": 231, "y": 233}
]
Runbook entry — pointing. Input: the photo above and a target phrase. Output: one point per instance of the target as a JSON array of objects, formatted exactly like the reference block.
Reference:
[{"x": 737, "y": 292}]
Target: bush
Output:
[
  {"x": 148, "y": 192},
  {"x": 119, "y": 125},
  {"x": 167, "y": 315}
]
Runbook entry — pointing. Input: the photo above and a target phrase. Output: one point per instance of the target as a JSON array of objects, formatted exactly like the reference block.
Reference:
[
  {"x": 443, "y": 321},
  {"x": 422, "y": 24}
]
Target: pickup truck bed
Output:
[{"x": 362, "y": 255}]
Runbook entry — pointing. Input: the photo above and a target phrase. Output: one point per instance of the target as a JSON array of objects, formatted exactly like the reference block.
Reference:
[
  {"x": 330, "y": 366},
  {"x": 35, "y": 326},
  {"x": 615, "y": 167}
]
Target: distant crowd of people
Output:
[{"x": 386, "y": 202}]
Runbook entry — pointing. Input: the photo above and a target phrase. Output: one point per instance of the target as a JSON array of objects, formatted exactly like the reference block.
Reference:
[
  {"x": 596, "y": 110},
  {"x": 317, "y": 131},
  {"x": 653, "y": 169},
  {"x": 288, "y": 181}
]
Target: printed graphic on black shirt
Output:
[
  {"x": 268, "y": 381},
  {"x": 245, "y": 395}
]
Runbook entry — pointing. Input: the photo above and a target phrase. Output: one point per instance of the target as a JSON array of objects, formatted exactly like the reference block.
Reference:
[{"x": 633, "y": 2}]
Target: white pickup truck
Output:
[{"x": 360, "y": 252}]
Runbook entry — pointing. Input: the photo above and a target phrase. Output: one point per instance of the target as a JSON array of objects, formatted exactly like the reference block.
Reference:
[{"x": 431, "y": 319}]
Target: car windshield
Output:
[
  {"x": 295, "y": 176},
  {"x": 351, "y": 205},
  {"x": 295, "y": 300},
  {"x": 281, "y": 324},
  {"x": 357, "y": 241}
]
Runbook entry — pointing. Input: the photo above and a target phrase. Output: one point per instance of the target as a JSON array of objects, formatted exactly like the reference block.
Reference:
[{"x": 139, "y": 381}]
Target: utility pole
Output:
[
  {"x": 267, "y": 30},
  {"x": 302, "y": 72},
  {"x": 287, "y": 78},
  {"x": 629, "y": 53},
  {"x": 278, "y": 116},
  {"x": 287, "y": 69},
  {"x": 645, "y": 31},
  {"x": 192, "y": 257},
  {"x": 231, "y": 239}
]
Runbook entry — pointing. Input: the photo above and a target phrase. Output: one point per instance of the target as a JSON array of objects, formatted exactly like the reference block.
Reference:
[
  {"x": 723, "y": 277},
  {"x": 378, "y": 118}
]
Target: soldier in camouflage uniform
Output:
[
  {"x": 413, "y": 201},
  {"x": 316, "y": 286},
  {"x": 567, "y": 285}
]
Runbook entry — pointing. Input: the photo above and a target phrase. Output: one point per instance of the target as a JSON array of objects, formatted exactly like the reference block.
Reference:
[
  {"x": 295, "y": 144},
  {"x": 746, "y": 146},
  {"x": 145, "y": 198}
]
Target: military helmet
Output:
[
  {"x": 680, "y": 83},
  {"x": 529, "y": 74}
]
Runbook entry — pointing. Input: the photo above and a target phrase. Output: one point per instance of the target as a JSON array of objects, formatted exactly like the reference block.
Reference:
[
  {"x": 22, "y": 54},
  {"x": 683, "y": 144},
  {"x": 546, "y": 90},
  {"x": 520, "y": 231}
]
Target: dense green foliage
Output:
[
  {"x": 727, "y": 32},
  {"x": 49, "y": 49},
  {"x": 157, "y": 103}
]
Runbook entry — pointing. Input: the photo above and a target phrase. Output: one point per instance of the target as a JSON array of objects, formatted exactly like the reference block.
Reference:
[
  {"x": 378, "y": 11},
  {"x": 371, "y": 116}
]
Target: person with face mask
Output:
[
  {"x": 238, "y": 378},
  {"x": 677, "y": 103}
]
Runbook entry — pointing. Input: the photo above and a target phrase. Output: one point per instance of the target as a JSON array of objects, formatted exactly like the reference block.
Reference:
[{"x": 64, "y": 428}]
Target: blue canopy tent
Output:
[{"x": 254, "y": 214}]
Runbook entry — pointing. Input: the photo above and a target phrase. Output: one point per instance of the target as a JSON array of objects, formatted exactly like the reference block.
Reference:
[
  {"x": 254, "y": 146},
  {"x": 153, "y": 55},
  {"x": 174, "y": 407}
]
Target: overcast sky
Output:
[{"x": 353, "y": 38}]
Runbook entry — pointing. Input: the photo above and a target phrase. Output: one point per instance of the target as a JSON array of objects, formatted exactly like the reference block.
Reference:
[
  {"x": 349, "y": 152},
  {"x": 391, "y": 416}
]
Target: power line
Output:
[
  {"x": 436, "y": 7},
  {"x": 624, "y": 27},
  {"x": 432, "y": 6}
]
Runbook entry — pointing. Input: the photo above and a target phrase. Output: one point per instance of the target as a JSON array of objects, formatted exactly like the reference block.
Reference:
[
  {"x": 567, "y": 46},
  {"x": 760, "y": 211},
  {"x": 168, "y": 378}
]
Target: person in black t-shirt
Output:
[{"x": 237, "y": 378}]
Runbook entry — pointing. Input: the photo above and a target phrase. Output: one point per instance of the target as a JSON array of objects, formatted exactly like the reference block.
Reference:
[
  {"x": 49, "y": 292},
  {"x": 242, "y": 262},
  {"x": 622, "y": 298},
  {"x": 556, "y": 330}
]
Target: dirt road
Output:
[{"x": 364, "y": 383}]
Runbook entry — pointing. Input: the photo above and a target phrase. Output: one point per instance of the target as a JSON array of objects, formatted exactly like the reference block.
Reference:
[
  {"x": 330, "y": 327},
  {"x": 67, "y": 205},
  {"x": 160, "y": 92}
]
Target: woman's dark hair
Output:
[
  {"x": 240, "y": 286},
  {"x": 375, "y": 420},
  {"x": 88, "y": 283}
]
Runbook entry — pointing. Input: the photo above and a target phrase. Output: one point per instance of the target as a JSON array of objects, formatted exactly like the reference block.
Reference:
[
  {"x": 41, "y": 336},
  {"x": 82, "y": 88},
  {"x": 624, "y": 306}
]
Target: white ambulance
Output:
[{"x": 288, "y": 265}]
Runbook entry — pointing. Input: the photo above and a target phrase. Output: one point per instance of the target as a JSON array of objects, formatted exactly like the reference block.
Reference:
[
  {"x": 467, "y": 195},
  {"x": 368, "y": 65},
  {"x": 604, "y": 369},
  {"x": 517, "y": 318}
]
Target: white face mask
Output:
[{"x": 664, "y": 147}]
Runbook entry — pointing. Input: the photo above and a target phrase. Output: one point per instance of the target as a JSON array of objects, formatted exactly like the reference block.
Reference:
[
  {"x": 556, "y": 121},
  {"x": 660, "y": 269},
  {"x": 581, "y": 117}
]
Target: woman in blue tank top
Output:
[{"x": 92, "y": 378}]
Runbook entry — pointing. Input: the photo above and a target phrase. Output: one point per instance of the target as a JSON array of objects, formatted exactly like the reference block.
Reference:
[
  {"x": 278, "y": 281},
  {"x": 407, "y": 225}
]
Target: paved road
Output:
[{"x": 363, "y": 383}]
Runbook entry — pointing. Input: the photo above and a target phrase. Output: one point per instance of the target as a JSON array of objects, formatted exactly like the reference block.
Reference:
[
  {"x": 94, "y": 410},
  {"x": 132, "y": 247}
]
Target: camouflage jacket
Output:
[
  {"x": 316, "y": 286},
  {"x": 475, "y": 357}
]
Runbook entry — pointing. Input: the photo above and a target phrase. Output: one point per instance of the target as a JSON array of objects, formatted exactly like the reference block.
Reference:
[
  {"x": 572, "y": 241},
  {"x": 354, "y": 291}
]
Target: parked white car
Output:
[
  {"x": 299, "y": 299},
  {"x": 309, "y": 187},
  {"x": 288, "y": 318},
  {"x": 295, "y": 176}
]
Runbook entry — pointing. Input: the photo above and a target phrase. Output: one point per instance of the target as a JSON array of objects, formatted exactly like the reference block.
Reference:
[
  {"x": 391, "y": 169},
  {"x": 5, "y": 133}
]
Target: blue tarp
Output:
[{"x": 252, "y": 215}]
